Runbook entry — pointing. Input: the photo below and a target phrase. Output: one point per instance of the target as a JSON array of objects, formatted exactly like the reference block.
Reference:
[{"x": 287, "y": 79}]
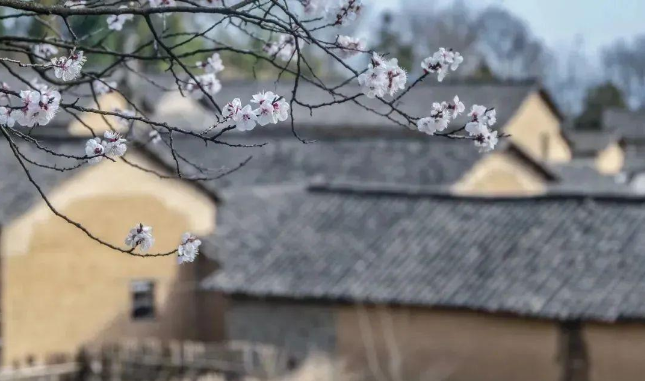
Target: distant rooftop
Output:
[{"x": 630, "y": 125}]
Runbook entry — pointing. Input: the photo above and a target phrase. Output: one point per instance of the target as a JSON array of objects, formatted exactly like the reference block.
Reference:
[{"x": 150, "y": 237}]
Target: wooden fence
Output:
[{"x": 153, "y": 360}]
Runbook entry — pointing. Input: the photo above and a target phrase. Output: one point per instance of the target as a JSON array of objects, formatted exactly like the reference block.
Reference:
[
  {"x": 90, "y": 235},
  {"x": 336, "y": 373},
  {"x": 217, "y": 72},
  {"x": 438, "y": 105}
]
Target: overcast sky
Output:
[{"x": 558, "y": 22}]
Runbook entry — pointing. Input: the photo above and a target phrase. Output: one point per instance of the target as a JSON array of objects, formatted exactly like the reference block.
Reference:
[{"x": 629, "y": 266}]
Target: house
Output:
[
  {"x": 61, "y": 291},
  {"x": 529, "y": 271},
  {"x": 629, "y": 125},
  {"x": 404, "y": 282},
  {"x": 600, "y": 150}
]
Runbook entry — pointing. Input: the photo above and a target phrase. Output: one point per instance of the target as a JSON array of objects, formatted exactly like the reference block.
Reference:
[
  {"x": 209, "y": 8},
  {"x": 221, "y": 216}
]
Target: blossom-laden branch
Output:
[{"x": 283, "y": 35}]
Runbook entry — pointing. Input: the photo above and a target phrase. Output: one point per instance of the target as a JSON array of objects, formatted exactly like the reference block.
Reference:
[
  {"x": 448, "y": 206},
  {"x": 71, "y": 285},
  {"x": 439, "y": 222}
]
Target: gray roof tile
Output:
[{"x": 563, "y": 257}]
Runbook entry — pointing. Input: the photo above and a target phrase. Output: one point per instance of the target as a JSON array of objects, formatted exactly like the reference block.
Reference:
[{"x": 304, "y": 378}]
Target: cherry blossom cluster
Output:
[
  {"x": 38, "y": 108},
  {"x": 101, "y": 87},
  {"x": 207, "y": 81},
  {"x": 284, "y": 49},
  {"x": 382, "y": 77},
  {"x": 141, "y": 237},
  {"x": 44, "y": 50},
  {"x": 212, "y": 65},
  {"x": 440, "y": 116},
  {"x": 115, "y": 22},
  {"x": 442, "y": 61},
  {"x": 349, "y": 46},
  {"x": 69, "y": 68},
  {"x": 482, "y": 119},
  {"x": 112, "y": 145},
  {"x": 341, "y": 11},
  {"x": 188, "y": 249},
  {"x": 271, "y": 109}
]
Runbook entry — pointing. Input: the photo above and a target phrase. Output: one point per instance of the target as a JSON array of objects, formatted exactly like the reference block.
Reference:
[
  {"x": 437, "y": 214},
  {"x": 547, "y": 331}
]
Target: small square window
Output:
[{"x": 143, "y": 299}]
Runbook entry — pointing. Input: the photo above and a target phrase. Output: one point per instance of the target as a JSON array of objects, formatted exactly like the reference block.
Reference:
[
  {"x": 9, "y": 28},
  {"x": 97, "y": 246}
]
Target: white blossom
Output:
[
  {"x": 4, "y": 96},
  {"x": 479, "y": 128},
  {"x": 487, "y": 141},
  {"x": 264, "y": 113},
  {"x": 140, "y": 236},
  {"x": 113, "y": 144},
  {"x": 429, "y": 125},
  {"x": 44, "y": 50},
  {"x": 188, "y": 249},
  {"x": 75, "y": 3},
  {"x": 441, "y": 62},
  {"x": 37, "y": 85},
  {"x": 115, "y": 22},
  {"x": 281, "y": 110},
  {"x": 232, "y": 108},
  {"x": 340, "y": 11},
  {"x": 162, "y": 3},
  {"x": 101, "y": 87},
  {"x": 346, "y": 10},
  {"x": 208, "y": 82},
  {"x": 349, "y": 46},
  {"x": 5, "y": 117},
  {"x": 69, "y": 68},
  {"x": 482, "y": 114},
  {"x": 284, "y": 49},
  {"x": 213, "y": 64},
  {"x": 263, "y": 97},
  {"x": 476, "y": 128},
  {"x": 382, "y": 77},
  {"x": 245, "y": 119},
  {"x": 38, "y": 108},
  {"x": 272, "y": 108},
  {"x": 94, "y": 149}
]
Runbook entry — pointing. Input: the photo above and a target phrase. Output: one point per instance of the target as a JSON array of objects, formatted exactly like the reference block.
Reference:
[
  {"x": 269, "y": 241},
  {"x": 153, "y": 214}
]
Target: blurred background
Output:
[{"x": 373, "y": 253}]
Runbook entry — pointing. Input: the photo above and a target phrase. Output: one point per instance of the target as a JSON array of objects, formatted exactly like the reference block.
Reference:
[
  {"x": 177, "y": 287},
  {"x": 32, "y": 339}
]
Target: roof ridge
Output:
[{"x": 444, "y": 192}]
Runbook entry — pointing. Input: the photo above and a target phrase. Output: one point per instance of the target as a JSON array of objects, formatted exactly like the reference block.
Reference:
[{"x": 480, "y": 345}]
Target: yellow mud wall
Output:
[
  {"x": 500, "y": 173},
  {"x": 62, "y": 290},
  {"x": 537, "y": 130},
  {"x": 610, "y": 161},
  {"x": 380, "y": 343}
]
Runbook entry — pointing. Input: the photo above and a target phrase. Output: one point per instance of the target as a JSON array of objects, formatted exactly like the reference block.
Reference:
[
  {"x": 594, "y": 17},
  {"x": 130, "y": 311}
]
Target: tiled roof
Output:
[
  {"x": 560, "y": 257},
  {"x": 629, "y": 124},
  {"x": 16, "y": 192},
  {"x": 350, "y": 119},
  {"x": 590, "y": 143},
  {"x": 581, "y": 175},
  {"x": 285, "y": 159}
]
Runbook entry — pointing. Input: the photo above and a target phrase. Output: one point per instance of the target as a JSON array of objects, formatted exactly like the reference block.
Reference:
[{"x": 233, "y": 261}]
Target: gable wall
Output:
[
  {"x": 610, "y": 161},
  {"x": 534, "y": 127},
  {"x": 500, "y": 173},
  {"x": 62, "y": 290}
]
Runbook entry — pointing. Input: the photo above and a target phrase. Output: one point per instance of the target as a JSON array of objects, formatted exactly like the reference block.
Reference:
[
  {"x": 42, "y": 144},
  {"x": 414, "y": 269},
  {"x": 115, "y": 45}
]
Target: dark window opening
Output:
[{"x": 143, "y": 299}]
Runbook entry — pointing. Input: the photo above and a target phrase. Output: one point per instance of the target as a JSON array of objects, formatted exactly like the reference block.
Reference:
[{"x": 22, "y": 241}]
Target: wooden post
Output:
[{"x": 573, "y": 356}]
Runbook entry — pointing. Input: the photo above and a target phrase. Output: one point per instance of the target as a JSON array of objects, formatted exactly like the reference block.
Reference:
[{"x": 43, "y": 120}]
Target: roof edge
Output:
[{"x": 321, "y": 185}]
